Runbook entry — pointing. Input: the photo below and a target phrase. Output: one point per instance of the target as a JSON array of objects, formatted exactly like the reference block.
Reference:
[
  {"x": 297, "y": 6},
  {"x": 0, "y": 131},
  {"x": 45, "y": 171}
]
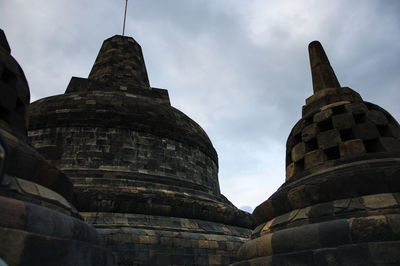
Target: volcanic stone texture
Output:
[
  {"x": 120, "y": 61},
  {"x": 161, "y": 240},
  {"x": 340, "y": 204},
  {"x": 121, "y": 134},
  {"x": 145, "y": 175},
  {"x": 38, "y": 226},
  {"x": 123, "y": 159},
  {"x": 337, "y": 132}
]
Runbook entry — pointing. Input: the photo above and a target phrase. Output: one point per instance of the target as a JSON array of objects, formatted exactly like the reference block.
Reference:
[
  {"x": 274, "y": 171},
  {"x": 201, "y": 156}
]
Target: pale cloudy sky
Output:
[{"x": 239, "y": 68}]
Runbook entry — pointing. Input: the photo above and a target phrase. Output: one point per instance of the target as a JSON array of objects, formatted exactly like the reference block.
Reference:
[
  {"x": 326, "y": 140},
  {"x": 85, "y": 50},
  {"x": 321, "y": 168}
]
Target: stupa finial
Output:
[
  {"x": 322, "y": 73},
  {"x": 123, "y": 28},
  {"x": 120, "y": 61}
]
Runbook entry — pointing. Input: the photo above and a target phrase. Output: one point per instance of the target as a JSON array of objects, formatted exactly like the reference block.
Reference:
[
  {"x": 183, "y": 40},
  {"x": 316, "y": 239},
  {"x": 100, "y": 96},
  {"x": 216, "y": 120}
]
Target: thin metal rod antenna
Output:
[{"x": 123, "y": 29}]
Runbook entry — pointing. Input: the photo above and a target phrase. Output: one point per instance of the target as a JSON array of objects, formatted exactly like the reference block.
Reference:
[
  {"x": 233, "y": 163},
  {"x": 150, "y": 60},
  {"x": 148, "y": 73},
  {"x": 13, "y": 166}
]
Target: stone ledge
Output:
[
  {"x": 140, "y": 223},
  {"x": 333, "y": 233},
  {"x": 374, "y": 253},
  {"x": 24, "y": 248},
  {"x": 37, "y": 219},
  {"x": 378, "y": 204},
  {"x": 347, "y": 180},
  {"x": 161, "y": 203}
]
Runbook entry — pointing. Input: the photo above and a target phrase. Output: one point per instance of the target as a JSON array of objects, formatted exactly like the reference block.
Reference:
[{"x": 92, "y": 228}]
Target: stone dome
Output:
[
  {"x": 340, "y": 202},
  {"x": 129, "y": 152}
]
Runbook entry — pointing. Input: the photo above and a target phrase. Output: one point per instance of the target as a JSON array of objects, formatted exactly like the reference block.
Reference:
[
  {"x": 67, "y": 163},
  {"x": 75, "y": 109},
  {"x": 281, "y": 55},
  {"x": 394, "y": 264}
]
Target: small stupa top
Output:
[
  {"x": 120, "y": 60},
  {"x": 336, "y": 124},
  {"x": 119, "y": 66},
  {"x": 322, "y": 73},
  {"x": 327, "y": 89}
]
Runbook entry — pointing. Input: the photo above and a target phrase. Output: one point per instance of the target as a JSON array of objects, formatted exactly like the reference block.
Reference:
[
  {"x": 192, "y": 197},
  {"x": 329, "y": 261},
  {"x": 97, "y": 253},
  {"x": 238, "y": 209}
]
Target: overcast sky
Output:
[{"x": 238, "y": 68}]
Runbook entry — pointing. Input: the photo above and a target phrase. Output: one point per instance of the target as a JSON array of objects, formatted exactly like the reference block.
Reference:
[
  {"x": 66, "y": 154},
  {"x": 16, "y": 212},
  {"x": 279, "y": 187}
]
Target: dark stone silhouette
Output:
[
  {"x": 340, "y": 202},
  {"x": 38, "y": 224},
  {"x": 145, "y": 175}
]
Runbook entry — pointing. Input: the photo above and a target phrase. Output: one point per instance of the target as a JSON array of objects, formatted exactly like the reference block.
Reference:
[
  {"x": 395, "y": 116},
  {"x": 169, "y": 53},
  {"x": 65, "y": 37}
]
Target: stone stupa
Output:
[
  {"x": 145, "y": 175},
  {"x": 340, "y": 202}
]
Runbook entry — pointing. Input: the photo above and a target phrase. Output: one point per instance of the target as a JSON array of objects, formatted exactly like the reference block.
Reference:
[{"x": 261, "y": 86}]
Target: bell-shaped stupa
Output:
[
  {"x": 145, "y": 175},
  {"x": 340, "y": 204}
]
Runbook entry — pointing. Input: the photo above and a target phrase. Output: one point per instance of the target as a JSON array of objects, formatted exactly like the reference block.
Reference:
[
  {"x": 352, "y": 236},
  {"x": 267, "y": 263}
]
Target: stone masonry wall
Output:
[{"x": 128, "y": 151}]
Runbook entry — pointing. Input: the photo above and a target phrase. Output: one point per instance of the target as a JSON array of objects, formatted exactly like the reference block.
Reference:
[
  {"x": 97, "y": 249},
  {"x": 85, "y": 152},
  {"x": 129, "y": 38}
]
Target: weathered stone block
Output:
[
  {"x": 370, "y": 229},
  {"x": 264, "y": 245},
  {"x": 298, "y": 127},
  {"x": 264, "y": 212},
  {"x": 377, "y": 117},
  {"x": 394, "y": 222},
  {"x": 282, "y": 241},
  {"x": 379, "y": 201},
  {"x": 281, "y": 220},
  {"x": 351, "y": 148},
  {"x": 343, "y": 121},
  {"x": 365, "y": 131},
  {"x": 214, "y": 260},
  {"x": 389, "y": 144},
  {"x": 321, "y": 209},
  {"x": 13, "y": 244},
  {"x": 292, "y": 169},
  {"x": 356, "y": 108},
  {"x": 298, "y": 151},
  {"x": 323, "y": 115},
  {"x": 393, "y": 131},
  {"x": 328, "y": 139},
  {"x": 306, "y": 237},
  {"x": 265, "y": 228},
  {"x": 304, "y": 195},
  {"x": 12, "y": 213},
  {"x": 326, "y": 256},
  {"x": 314, "y": 158},
  {"x": 300, "y": 215},
  {"x": 293, "y": 258},
  {"x": 386, "y": 253},
  {"x": 309, "y": 132},
  {"x": 334, "y": 233}
]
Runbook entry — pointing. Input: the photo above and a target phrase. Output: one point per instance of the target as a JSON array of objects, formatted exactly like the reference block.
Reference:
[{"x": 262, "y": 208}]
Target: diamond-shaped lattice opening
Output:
[
  {"x": 346, "y": 134},
  {"x": 338, "y": 110},
  {"x": 372, "y": 146},
  {"x": 325, "y": 125},
  {"x": 311, "y": 145},
  {"x": 332, "y": 153},
  {"x": 384, "y": 131},
  {"x": 299, "y": 165},
  {"x": 359, "y": 118}
]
